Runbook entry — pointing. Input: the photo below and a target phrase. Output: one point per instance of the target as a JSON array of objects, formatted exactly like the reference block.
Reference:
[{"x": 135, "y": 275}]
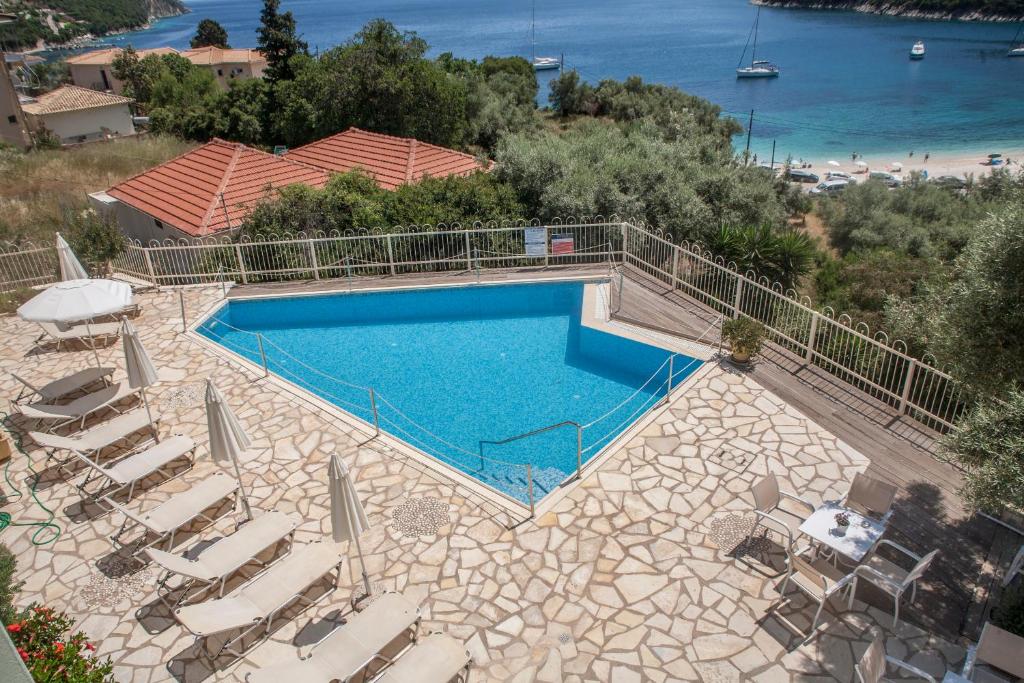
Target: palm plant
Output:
[{"x": 780, "y": 256}]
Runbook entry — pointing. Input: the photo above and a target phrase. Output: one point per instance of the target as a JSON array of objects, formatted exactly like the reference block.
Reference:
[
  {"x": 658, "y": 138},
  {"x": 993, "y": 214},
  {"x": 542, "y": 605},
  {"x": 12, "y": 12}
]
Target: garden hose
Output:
[{"x": 48, "y": 531}]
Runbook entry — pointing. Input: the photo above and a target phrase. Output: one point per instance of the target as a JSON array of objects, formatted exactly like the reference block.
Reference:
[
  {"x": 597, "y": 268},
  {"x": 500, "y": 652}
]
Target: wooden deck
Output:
[
  {"x": 929, "y": 513},
  {"x": 974, "y": 552}
]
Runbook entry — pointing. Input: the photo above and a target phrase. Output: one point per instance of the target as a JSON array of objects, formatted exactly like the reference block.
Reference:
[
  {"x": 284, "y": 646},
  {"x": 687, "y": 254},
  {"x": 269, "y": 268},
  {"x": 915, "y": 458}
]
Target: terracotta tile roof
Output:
[
  {"x": 71, "y": 98},
  {"x": 210, "y": 56},
  {"x": 390, "y": 160},
  {"x": 106, "y": 56},
  {"x": 186, "y": 192}
]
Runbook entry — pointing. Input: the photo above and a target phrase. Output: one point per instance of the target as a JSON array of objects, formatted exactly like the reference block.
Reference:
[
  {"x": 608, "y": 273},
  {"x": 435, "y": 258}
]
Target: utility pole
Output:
[{"x": 750, "y": 126}]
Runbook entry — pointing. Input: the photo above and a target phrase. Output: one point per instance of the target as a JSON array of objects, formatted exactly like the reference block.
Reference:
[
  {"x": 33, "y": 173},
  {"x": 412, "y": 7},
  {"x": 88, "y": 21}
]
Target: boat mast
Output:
[
  {"x": 753, "y": 52},
  {"x": 533, "y": 33}
]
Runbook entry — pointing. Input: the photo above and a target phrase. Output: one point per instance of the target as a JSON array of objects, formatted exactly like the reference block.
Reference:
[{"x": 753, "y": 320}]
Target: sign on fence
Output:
[
  {"x": 562, "y": 244},
  {"x": 536, "y": 240}
]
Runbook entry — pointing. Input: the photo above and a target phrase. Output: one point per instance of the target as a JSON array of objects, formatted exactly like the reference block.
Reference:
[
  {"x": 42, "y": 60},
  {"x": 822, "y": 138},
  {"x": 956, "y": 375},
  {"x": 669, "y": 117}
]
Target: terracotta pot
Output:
[
  {"x": 741, "y": 355},
  {"x": 6, "y": 447}
]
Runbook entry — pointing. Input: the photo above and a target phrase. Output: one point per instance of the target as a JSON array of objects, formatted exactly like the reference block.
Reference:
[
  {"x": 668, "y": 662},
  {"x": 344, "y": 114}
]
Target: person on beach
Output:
[
  {"x": 926, "y": 155},
  {"x": 911, "y": 154}
]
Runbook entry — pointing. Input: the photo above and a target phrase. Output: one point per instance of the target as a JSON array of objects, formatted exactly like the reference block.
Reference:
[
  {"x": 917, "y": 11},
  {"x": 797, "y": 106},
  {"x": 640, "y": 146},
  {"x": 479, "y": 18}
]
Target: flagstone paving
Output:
[{"x": 641, "y": 573}]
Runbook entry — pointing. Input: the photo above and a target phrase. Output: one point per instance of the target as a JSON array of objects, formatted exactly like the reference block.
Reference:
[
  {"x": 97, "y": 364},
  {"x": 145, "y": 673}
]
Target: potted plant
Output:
[
  {"x": 745, "y": 336},
  {"x": 842, "y": 523}
]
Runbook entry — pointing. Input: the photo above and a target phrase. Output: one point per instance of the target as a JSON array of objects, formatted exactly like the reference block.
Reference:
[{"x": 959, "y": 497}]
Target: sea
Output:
[{"x": 847, "y": 84}]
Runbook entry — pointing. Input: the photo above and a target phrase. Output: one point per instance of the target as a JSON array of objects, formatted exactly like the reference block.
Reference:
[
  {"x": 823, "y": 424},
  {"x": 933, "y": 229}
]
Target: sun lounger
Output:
[
  {"x": 79, "y": 409},
  {"x": 65, "y": 386},
  {"x": 438, "y": 658},
  {"x": 135, "y": 467},
  {"x": 255, "y": 604},
  {"x": 166, "y": 519},
  {"x": 349, "y": 649},
  {"x": 97, "y": 438},
  {"x": 88, "y": 334},
  {"x": 217, "y": 562}
]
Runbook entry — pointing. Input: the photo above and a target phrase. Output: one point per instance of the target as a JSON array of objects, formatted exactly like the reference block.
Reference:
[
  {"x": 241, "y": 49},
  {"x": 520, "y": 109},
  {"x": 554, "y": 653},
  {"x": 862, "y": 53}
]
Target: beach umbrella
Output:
[
  {"x": 862, "y": 164},
  {"x": 834, "y": 163},
  {"x": 70, "y": 267},
  {"x": 227, "y": 438},
  {"x": 141, "y": 372},
  {"x": 897, "y": 165},
  {"x": 75, "y": 300},
  {"x": 348, "y": 519}
]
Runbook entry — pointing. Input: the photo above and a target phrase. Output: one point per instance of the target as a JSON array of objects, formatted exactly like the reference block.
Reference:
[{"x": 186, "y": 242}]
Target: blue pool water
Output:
[{"x": 454, "y": 368}]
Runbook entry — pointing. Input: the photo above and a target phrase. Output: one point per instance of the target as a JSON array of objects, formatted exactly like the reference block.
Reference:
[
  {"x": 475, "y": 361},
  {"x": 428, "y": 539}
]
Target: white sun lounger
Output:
[
  {"x": 88, "y": 334},
  {"x": 135, "y": 467},
  {"x": 348, "y": 650},
  {"x": 169, "y": 517},
  {"x": 97, "y": 438},
  {"x": 438, "y": 658},
  {"x": 65, "y": 386},
  {"x": 78, "y": 410},
  {"x": 217, "y": 562},
  {"x": 257, "y": 602}
]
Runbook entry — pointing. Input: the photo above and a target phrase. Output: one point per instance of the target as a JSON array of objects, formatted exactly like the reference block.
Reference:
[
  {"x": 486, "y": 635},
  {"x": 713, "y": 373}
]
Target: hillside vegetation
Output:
[
  {"x": 58, "y": 21},
  {"x": 960, "y": 9}
]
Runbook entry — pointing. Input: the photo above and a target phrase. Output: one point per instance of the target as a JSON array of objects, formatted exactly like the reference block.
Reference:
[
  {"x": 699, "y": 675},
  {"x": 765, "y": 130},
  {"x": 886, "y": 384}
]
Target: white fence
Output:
[{"x": 872, "y": 363}]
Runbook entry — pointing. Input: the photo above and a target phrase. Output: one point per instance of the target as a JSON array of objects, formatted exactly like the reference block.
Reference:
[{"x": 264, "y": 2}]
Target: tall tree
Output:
[
  {"x": 210, "y": 34},
  {"x": 278, "y": 41}
]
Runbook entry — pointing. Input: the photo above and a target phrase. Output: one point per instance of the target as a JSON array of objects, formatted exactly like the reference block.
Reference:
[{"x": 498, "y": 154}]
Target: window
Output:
[
  {"x": 158, "y": 223},
  {"x": 12, "y": 119},
  {"x": 220, "y": 72}
]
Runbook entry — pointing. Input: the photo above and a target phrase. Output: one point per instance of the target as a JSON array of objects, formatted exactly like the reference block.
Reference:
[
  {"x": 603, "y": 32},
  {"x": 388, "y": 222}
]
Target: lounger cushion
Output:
[
  {"x": 187, "y": 505},
  {"x": 98, "y": 437},
  {"x": 77, "y": 381},
  {"x": 265, "y": 594},
  {"x": 231, "y": 552},
  {"x": 148, "y": 461},
  {"x": 438, "y": 658},
  {"x": 80, "y": 407}
]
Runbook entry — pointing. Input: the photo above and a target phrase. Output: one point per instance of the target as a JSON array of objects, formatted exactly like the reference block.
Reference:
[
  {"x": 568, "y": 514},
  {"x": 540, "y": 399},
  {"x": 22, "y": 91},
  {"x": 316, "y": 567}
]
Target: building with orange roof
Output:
[
  {"x": 390, "y": 160},
  {"x": 94, "y": 69},
  {"x": 209, "y": 190}
]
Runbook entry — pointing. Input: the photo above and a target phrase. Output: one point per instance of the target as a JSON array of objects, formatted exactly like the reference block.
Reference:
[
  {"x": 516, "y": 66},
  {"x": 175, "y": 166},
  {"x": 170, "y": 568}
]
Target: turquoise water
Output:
[
  {"x": 846, "y": 84},
  {"x": 455, "y": 368}
]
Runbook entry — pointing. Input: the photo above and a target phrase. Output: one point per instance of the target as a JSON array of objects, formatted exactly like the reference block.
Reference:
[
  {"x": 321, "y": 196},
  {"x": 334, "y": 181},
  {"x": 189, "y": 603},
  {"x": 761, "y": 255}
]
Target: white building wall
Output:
[{"x": 71, "y": 125}]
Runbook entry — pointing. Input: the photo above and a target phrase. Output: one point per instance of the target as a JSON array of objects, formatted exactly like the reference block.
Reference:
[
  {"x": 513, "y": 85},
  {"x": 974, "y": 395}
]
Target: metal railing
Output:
[{"x": 872, "y": 363}]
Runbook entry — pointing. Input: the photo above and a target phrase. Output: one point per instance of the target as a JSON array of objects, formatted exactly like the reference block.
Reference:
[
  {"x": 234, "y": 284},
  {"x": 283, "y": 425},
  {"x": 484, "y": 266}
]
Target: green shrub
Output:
[
  {"x": 8, "y": 587},
  {"x": 745, "y": 335}
]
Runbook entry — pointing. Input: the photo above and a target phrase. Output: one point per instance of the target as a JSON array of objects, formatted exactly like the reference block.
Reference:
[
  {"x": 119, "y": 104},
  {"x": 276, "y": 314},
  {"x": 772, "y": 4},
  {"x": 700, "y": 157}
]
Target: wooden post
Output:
[
  {"x": 149, "y": 266},
  {"x": 312, "y": 259},
  {"x": 811, "y": 337},
  {"x": 738, "y": 301},
  {"x": 241, "y": 265},
  {"x": 391, "y": 255},
  {"x": 908, "y": 383}
]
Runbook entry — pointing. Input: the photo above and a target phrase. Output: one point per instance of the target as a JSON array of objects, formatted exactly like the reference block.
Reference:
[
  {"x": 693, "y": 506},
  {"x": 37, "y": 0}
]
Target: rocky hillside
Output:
[
  {"x": 967, "y": 10},
  {"x": 56, "y": 22}
]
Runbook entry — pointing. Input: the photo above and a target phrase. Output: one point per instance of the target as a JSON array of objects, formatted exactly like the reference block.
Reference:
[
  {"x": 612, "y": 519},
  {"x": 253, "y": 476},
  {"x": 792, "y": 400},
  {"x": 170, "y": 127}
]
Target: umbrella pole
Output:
[
  {"x": 241, "y": 488},
  {"x": 145, "y": 402},
  {"x": 362, "y": 563},
  {"x": 92, "y": 343}
]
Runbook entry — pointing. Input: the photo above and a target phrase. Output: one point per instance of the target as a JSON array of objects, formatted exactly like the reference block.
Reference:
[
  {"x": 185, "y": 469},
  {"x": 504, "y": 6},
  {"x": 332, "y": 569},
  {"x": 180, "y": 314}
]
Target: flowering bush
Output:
[{"x": 42, "y": 640}]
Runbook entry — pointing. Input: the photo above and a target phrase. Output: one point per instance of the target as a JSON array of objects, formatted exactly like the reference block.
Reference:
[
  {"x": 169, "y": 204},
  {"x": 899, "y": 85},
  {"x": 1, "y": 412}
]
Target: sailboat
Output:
[
  {"x": 540, "y": 63},
  {"x": 758, "y": 68},
  {"x": 1017, "y": 46}
]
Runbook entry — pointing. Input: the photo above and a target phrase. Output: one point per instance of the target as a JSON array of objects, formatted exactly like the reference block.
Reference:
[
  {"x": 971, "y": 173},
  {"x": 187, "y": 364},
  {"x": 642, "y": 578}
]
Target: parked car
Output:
[
  {"x": 950, "y": 181},
  {"x": 801, "y": 176},
  {"x": 840, "y": 175},
  {"x": 888, "y": 179},
  {"x": 831, "y": 186}
]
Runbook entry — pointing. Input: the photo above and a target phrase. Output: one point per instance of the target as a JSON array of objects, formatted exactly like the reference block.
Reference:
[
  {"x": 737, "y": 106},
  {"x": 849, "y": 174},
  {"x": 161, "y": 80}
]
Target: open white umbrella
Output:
[
  {"x": 227, "y": 438},
  {"x": 896, "y": 166},
  {"x": 834, "y": 163},
  {"x": 862, "y": 164},
  {"x": 348, "y": 519},
  {"x": 140, "y": 368},
  {"x": 76, "y": 300},
  {"x": 70, "y": 267}
]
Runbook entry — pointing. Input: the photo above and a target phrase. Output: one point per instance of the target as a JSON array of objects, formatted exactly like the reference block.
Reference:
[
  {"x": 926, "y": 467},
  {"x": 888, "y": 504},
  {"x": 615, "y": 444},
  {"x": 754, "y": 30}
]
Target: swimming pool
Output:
[{"x": 456, "y": 369}]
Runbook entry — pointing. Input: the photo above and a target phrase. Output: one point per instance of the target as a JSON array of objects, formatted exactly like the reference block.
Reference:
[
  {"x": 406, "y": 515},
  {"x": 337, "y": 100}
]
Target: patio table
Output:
[{"x": 861, "y": 535}]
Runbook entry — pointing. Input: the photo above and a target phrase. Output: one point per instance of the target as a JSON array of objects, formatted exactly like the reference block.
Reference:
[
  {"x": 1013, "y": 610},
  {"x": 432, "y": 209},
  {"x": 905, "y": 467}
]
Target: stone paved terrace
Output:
[{"x": 636, "y": 574}]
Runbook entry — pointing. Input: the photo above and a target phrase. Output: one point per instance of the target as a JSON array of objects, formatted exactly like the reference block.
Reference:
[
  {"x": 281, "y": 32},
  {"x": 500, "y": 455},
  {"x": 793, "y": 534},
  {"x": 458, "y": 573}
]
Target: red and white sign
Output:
[{"x": 562, "y": 244}]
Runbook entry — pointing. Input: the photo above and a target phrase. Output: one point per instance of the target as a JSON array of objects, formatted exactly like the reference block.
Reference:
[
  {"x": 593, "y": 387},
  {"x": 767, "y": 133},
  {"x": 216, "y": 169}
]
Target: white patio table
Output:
[{"x": 861, "y": 535}]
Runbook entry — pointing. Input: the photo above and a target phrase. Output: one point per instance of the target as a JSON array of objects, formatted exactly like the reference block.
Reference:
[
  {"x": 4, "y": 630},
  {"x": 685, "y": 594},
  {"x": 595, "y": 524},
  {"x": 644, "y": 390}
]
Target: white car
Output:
[
  {"x": 839, "y": 175},
  {"x": 834, "y": 186}
]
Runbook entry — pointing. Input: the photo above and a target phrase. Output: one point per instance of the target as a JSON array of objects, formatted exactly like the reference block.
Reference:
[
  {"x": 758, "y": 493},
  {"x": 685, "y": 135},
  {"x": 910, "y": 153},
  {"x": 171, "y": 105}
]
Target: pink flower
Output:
[
  {"x": 59, "y": 647},
  {"x": 24, "y": 655},
  {"x": 14, "y": 628}
]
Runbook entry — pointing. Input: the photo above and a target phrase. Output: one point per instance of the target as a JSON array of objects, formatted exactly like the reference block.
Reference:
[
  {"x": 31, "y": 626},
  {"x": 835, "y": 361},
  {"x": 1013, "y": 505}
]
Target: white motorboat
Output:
[
  {"x": 917, "y": 52},
  {"x": 759, "y": 68}
]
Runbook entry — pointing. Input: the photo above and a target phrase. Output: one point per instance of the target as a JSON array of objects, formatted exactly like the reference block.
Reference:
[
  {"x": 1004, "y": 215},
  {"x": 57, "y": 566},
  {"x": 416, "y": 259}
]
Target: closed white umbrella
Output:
[
  {"x": 140, "y": 368},
  {"x": 227, "y": 438},
  {"x": 76, "y": 300},
  {"x": 348, "y": 519},
  {"x": 70, "y": 267},
  {"x": 834, "y": 163}
]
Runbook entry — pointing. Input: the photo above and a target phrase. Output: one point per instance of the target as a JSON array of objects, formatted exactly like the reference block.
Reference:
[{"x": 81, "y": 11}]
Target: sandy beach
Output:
[{"x": 958, "y": 164}]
